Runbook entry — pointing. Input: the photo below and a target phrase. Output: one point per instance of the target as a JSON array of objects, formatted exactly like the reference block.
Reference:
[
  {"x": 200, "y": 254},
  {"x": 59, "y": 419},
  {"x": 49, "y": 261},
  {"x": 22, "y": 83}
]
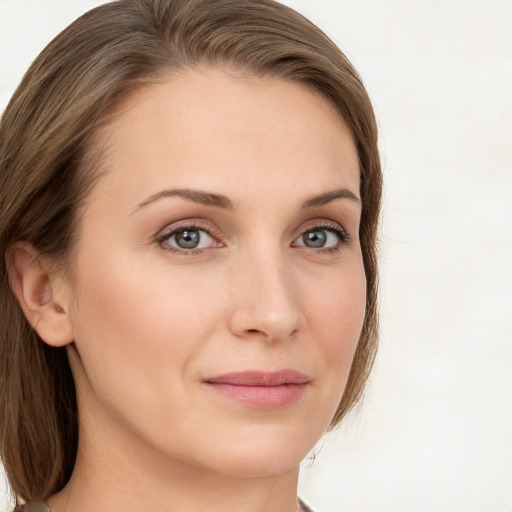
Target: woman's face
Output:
[{"x": 218, "y": 290}]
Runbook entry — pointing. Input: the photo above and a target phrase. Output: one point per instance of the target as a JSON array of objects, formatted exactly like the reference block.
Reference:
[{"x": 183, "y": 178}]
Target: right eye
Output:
[{"x": 189, "y": 238}]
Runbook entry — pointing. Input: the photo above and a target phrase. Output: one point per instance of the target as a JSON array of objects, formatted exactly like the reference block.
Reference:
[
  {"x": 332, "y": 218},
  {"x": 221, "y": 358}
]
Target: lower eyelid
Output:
[{"x": 341, "y": 239}]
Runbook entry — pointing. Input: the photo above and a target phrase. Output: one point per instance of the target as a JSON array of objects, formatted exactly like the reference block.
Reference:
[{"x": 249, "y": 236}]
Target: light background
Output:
[{"x": 435, "y": 430}]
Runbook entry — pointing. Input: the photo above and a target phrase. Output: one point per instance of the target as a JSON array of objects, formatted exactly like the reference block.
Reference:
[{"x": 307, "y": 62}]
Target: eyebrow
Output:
[
  {"x": 220, "y": 201},
  {"x": 197, "y": 196},
  {"x": 327, "y": 197}
]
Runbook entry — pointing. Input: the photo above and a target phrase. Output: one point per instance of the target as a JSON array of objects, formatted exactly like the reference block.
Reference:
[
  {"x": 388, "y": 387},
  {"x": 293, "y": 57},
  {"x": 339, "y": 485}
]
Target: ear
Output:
[{"x": 41, "y": 294}]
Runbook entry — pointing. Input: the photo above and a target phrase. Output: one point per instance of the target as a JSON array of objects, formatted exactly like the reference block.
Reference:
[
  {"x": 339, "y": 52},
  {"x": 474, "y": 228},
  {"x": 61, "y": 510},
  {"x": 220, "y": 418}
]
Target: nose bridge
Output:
[{"x": 265, "y": 302}]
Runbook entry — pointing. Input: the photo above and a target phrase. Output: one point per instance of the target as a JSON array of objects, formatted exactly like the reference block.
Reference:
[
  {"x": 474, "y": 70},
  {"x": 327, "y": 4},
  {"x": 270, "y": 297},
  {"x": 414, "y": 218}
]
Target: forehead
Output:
[{"x": 215, "y": 126}]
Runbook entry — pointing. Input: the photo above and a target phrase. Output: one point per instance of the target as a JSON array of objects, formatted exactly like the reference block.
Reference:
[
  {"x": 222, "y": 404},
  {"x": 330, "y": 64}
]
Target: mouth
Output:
[{"x": 262, "y": 390}]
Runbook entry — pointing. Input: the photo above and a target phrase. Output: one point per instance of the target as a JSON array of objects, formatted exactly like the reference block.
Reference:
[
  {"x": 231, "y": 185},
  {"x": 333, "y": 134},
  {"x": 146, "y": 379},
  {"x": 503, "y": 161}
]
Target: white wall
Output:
[{"x": 435, "y": 430}]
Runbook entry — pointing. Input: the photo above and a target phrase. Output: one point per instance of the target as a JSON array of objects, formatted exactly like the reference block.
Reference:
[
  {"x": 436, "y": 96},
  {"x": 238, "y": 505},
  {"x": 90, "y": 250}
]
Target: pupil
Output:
[
  {"x": 314, "y": 238},
  {"x": 187, "y": 239}
]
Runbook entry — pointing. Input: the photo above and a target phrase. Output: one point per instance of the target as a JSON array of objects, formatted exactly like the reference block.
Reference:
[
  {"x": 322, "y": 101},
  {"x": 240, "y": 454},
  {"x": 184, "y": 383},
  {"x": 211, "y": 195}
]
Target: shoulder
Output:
[
  {"x": 32, "y": 507},
  {"x": 304, "y": 507}
]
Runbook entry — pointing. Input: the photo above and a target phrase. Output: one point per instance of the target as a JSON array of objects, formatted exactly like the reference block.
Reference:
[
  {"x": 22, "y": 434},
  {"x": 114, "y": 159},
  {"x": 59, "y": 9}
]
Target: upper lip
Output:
[{"x": 259, "y": 378}]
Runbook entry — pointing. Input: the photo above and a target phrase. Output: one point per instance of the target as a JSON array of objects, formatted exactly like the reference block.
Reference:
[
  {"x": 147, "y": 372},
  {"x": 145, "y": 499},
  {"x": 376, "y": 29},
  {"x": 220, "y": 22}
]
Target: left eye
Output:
[
  {"x": 189, "y": 238},
  {"x": 319, "y": 238}
]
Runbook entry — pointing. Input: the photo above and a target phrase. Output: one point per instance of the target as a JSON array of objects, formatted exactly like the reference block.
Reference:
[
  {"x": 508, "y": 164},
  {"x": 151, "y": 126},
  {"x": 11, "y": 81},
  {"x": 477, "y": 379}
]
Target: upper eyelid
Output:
[
  {"x": 199, "y": 224},
  {"x": 325, "y": 224},
  {"x": 174, "y": 231}
]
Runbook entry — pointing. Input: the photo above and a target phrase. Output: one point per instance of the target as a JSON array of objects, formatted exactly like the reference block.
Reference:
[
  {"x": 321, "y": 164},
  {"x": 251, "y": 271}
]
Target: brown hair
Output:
[{"x": 48, "y": 163}]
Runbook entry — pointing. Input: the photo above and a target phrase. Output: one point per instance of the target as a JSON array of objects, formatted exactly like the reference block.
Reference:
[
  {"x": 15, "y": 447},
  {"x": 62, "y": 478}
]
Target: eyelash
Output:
[{"x": 342, "y": 235}]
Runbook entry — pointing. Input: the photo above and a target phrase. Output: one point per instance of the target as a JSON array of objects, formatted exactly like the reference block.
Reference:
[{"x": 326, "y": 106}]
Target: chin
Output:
[
  {"x": 253, "y": 464},
  {"x": 264, "y": 451}
]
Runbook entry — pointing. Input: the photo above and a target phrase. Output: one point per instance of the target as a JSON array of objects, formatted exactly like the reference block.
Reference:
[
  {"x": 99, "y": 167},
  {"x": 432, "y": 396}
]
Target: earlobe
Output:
[{"x": 35, "y": 288}]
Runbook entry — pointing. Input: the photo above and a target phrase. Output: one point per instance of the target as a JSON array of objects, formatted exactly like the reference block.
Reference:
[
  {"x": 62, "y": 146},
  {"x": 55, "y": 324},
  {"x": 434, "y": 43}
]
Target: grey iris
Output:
[
  {"x": 188, "y": 239},
  {"x": 314, "y": 238}
]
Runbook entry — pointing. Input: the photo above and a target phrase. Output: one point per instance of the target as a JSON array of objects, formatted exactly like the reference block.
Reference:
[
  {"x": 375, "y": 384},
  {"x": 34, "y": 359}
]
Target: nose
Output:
[{"x": 265, "y": 300}]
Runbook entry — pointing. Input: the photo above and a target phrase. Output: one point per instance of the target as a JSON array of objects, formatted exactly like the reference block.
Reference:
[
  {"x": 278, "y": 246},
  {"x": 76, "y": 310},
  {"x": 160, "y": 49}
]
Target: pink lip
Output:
[{"x": 265, "y": 390}]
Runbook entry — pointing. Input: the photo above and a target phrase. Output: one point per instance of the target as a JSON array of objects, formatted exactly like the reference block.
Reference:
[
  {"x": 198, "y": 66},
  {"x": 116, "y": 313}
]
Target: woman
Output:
[{"x": 190, "y": 197}]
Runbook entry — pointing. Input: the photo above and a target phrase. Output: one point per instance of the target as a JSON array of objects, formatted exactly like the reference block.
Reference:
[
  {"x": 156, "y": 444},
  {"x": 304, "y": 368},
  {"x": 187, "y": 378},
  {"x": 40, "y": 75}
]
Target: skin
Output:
[{"x": 146, "y": 322}]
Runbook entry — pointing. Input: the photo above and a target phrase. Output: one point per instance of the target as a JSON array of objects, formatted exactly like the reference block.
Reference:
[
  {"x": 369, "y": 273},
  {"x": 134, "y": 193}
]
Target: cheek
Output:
[
  {"x": 336, "y": 316},
  {"x": 337, "y": 309},
  {"x": 134, "y": 320},
  {"x": 130, "y": 309}
]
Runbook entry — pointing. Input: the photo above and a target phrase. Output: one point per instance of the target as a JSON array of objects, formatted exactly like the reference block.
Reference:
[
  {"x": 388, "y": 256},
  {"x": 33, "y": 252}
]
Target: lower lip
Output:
[{"x": 262, "y": 397}]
